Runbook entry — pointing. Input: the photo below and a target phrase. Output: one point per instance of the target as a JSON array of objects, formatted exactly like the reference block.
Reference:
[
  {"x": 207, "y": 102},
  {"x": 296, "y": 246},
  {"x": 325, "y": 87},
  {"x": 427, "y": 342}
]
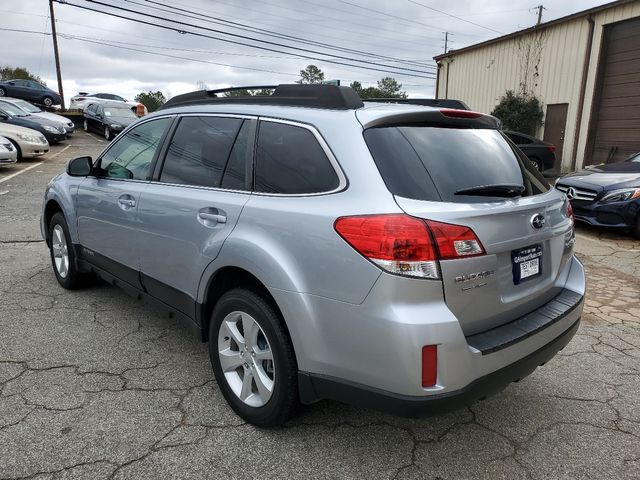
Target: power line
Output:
[
  {"x": 96, "y": 41},
  {"x": 389, "y": 15},
  {"x": 454, "y": 16},
  {"x": 245, "y": 27},
  {"x": 388, "y": 69}
]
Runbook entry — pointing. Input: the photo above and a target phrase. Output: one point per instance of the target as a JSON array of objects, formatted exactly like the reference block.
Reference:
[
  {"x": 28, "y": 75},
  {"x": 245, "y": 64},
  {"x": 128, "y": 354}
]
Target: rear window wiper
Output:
[{"x": 492, "y": 191}]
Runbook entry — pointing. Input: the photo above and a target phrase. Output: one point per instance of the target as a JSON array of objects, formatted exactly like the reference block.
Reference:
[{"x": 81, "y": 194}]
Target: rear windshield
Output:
[{"x": 432, "y": 163}]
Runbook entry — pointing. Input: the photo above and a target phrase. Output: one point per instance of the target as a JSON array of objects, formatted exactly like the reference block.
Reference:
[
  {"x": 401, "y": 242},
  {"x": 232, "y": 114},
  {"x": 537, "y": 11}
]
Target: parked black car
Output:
[
  {"x": 606, "y": 195},
  {"x": 108, "y": 119},
  {"x": 31, "y": 91},
  {"x": 541, "y": 153},
  {"x": 54, "y": 132}
]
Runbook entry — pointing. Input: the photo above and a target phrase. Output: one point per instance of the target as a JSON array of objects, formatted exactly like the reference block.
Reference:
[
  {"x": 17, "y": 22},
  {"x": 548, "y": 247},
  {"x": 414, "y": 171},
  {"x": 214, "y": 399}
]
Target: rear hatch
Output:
[{"x": 467, "y": 174}]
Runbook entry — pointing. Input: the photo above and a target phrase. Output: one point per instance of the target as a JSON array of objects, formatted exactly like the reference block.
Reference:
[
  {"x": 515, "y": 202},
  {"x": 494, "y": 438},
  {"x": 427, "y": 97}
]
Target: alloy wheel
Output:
[
  {"x": 60, "y": 251},
  {"x": 107, "y": 133},
  {"x": 246, "y": 359},
  {"x": 47, "y": 102},
  {"x": 2, "y": 92},
  {"x": 86, "y": 125}
]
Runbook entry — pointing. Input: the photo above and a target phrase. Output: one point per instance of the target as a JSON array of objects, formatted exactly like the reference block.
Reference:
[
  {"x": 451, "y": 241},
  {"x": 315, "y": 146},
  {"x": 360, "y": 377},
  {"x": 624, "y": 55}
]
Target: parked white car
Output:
[
  {"x": 38, "y": 112},
  {"x": 8, "y": 153},
  {"x": 83, "y": 100},
  {"x": 27, "y": 142}
]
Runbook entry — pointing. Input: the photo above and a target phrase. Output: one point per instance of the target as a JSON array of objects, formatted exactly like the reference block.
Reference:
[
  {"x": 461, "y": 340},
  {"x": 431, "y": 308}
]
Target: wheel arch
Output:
[
  {"x": 51, "y": 208},
  {"x": 227, "y": 278}
]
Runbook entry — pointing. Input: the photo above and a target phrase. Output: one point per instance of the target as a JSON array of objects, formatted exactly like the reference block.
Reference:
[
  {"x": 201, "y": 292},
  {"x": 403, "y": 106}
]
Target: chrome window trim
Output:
[{"x": 342, "y": 179}]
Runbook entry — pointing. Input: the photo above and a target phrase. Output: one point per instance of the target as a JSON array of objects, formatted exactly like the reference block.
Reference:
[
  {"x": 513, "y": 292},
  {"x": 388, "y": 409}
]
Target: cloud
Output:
[{"x": 103, "y": 53}]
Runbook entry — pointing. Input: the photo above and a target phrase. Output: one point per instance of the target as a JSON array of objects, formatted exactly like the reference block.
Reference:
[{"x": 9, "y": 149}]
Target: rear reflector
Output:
[
  {"x": 429, "y": 365},
  {"x": 450, "y": 112},
  {"x": 406, "y": 245}
]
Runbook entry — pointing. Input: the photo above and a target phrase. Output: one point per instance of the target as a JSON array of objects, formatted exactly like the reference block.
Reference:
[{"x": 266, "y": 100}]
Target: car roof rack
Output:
[
  {"x": 429, "y": 102},
  {"x": 315, "y": 96}
]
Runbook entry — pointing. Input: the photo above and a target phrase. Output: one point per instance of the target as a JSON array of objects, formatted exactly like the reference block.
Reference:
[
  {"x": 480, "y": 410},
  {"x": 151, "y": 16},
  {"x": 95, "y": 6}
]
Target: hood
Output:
[
  {"x": 630, "y": 167},
  {"x": 45, "y": 122},
  {"x": 601, "y": 180},
  {"x": 11, "y": 130},
  {"x": 52, "y": 117},
  {"x": 124, "y": 121}
]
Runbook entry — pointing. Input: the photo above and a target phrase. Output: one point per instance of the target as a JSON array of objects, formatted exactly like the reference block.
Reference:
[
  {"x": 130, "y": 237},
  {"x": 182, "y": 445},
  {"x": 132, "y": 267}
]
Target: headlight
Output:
[
  {"x": 115, "y": 125},
  {"x": 28, "y": 138},
  {"x": 51, "y": 129},
  {"x": 621, "y": 195}
]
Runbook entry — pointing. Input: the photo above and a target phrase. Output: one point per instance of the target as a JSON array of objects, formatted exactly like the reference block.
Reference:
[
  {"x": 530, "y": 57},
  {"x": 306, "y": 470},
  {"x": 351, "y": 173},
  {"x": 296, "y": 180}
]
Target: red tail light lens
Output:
[
  {"x": 455, "y": 241},
  {"x": 397, "y": 243},
  {"x": 406, "y": 245},
  {"x": 451, "y": 112},
  {"x": 552, "y": 148},
  {"x": 429, "y": 365},
  {"x": 570, "y": 213}
]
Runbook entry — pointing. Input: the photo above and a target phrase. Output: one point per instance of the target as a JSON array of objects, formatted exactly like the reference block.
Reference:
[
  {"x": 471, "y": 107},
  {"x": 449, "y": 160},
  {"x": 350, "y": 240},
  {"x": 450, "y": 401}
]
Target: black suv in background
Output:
[{"x": 541, "y": 153}]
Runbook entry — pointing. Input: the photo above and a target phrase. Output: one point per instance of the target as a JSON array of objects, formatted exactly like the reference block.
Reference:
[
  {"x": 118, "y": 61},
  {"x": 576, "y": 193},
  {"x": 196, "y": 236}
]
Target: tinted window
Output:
[
  {"x": 91, "y": 108},
  {"x": 235, "y": 174},
  {"x": 132, "y": 153},
  {"x": 428, "y": 163},
  {"x": 199, "y": 151},
  {"x": 290, "y": 160}
]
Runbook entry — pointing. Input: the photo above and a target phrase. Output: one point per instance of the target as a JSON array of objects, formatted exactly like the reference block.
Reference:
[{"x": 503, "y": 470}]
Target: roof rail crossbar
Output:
[
  {"x": 430, "y": 102},
  {"x": 315, "y": 96}
]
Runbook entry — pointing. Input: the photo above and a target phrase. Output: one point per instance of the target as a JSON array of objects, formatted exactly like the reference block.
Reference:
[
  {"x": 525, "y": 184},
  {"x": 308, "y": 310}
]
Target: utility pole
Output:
[
  {"x": 446, "y": 41},
  {"x": 539, "y": 8},
  {"x": 55, "y": 52}
]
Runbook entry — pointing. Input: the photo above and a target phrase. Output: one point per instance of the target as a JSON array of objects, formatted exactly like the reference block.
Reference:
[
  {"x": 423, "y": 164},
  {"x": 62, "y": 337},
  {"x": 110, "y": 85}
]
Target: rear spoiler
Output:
[
  {"x": 428, "y": 102},
  {"x": 444, "y": 117}
]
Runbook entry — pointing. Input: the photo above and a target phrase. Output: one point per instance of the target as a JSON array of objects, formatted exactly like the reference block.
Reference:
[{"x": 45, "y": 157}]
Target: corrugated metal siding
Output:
[{"x": 482, "y": 75}]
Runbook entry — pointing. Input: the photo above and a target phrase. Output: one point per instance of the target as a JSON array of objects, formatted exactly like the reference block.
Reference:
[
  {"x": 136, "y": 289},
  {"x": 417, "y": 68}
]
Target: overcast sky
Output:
[{"x": 101, "y": 53}]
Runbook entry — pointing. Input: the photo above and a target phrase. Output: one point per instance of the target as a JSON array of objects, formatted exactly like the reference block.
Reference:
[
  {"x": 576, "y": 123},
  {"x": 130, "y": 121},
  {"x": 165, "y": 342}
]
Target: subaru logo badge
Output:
[
  {"x": 538, "y": 221},
  {"x": 571, "y": 193}
]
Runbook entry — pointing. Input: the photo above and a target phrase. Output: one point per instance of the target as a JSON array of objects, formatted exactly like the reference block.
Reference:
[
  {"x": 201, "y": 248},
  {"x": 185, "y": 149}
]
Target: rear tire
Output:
[
  {"x": 537, "y": 163},
  {"x": 3, "y": 92},
  {"x": 255, "y": 361},
  {"x": 47, "y": 101},
  {"x": 63, "y": 258}
]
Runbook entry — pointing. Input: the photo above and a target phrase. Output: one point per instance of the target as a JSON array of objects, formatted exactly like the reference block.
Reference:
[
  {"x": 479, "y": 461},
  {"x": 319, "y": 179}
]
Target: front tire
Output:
[
  {"x": 17, "y": 147},
  {"x": 85, "y": 125},
  {"x": 47, "y": 101},
  {"x": 636, "y": 230},
  {"x": 63, "y": 257},
  {"x": 107, "y": 133},
  {"x": 253, "y": 358},
  {"x": 3, "y": 92}
]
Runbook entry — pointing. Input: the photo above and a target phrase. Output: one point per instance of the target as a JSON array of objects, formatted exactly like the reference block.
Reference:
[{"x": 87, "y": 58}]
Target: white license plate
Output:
[{"x": 529, "y": 268}]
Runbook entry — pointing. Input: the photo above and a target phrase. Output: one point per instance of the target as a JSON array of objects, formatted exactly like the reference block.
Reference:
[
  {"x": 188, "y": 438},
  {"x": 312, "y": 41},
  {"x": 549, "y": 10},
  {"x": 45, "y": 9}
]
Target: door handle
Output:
[
  {"x": 126, "y": 202},
  {"x": 212, "y": 217}
]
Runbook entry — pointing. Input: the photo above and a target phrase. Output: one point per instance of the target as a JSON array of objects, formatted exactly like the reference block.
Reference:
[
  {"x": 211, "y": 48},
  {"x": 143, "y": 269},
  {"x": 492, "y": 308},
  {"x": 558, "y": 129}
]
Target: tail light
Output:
[
  {"x": 570, "y": 213},
  {"x": 429, "y": 365},
  {"x": 552, "y": 148},
  {"x": 406, "y": 245}
]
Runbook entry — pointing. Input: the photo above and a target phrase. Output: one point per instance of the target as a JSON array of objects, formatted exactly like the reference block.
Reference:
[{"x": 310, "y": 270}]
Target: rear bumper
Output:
[
  {"x": 314, "y": 387},
  {"x": 374, "y": 348}
]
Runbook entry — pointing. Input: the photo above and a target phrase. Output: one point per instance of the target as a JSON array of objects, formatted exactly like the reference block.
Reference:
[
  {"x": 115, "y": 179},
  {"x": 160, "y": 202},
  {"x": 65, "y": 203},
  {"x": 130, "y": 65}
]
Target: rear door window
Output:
[
  {"x": 431, "y": 163},
  {"x": 289, "y": 160},
  {"x": 199, "y": 151}
]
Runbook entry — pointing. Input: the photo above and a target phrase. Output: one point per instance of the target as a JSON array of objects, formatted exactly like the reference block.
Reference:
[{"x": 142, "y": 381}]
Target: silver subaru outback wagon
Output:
[{"x": 399, "y": 257}]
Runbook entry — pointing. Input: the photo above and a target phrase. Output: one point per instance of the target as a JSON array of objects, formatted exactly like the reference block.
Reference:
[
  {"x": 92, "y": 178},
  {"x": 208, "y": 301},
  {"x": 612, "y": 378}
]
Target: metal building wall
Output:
[{"x": 480, "y": 76}]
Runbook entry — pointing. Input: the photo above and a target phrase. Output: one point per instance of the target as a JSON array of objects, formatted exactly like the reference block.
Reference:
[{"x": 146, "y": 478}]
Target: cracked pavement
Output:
[{"x": 95, "y": 384}]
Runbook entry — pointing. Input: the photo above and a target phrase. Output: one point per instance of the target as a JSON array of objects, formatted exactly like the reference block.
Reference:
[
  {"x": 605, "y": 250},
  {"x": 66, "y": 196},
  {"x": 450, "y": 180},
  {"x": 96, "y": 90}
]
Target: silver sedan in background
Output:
[{"x": 8, "y": 153}]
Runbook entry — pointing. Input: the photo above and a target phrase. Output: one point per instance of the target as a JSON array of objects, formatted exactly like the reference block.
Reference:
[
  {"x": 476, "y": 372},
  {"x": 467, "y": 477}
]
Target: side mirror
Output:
[
  {"x": 80, "y": 167},
  {"x": 12, "y": 83},
  {"x": 3, "y": 116}
]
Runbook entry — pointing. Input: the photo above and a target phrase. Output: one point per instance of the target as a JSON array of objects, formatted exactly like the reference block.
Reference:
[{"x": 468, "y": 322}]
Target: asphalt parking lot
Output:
[{"x": 95, "y": 384}]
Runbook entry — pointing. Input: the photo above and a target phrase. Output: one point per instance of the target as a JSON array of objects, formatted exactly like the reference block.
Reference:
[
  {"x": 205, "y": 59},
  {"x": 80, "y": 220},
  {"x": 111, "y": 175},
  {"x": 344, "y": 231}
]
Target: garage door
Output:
[{"x": 617, "y": 127}]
